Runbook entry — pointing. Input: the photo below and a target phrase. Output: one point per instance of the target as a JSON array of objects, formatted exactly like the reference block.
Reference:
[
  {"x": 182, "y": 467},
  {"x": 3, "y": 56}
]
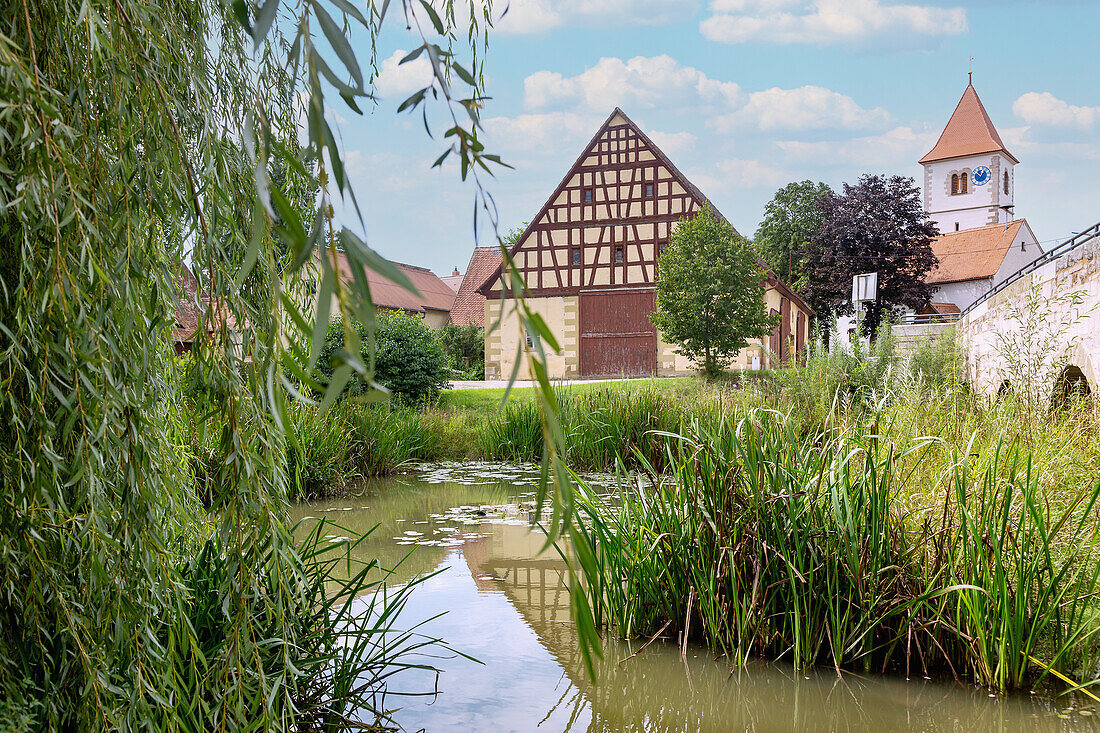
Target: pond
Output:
[{"x": 505, "y": 602}]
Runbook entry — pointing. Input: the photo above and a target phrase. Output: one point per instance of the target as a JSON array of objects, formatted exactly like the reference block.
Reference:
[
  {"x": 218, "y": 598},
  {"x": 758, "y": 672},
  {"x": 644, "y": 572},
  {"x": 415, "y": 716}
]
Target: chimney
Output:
[{"x": 456, "y": 273}]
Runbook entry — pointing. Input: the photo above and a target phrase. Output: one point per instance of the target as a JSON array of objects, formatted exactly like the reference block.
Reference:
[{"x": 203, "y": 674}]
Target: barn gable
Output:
[
  {"x": 589, "y": 262},
  {"x": 605, "y": 223}
]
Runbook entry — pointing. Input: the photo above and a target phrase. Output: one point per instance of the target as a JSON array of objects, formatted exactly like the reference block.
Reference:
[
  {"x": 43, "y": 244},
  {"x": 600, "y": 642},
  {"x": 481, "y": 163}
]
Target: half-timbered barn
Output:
[{"x": 590, "y": 259}]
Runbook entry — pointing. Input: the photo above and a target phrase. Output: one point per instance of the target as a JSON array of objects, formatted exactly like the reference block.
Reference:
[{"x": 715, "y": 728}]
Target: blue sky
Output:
[{"x": 744, "y": 96}]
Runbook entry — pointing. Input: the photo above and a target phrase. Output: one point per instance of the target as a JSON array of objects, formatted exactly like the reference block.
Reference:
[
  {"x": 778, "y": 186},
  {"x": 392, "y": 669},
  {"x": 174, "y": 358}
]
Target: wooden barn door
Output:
[{"x": 616, "y": 336}]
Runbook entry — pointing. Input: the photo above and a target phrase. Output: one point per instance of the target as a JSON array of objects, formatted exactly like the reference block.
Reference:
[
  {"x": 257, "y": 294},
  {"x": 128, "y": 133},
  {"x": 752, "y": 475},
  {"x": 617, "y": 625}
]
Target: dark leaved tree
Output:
[{"x": 877, "y": 225}]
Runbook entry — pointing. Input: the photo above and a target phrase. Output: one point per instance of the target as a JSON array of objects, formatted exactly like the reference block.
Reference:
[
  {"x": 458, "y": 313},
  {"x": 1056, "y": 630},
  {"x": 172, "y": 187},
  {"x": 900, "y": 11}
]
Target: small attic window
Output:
[
  {"x": 956, "y": 226},
  {"x": 1023, "y": 246},
  {"x": 587, "y": 196}
]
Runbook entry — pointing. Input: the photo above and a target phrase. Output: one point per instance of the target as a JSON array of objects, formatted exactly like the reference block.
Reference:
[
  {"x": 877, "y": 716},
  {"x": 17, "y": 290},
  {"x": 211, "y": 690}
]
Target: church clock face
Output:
[{"x": 981, "y": 175}]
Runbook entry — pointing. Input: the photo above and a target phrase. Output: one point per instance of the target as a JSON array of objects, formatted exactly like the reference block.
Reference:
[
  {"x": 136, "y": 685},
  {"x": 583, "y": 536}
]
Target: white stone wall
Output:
[
  {"x": 1077, "y": 271},
  {"x": 1018, "y": 256},
  {"x": 980, "y": 205},
  {"x": 962, "y": 294}
]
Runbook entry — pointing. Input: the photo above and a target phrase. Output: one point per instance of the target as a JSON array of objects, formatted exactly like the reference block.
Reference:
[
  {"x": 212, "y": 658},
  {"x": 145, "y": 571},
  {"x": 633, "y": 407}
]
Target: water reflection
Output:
[{"x": 507, "y": 604}]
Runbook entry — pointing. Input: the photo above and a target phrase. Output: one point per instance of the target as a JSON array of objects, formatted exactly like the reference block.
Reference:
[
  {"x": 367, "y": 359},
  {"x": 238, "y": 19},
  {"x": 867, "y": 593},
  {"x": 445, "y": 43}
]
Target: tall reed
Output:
[{"x": 768, "y": 540}]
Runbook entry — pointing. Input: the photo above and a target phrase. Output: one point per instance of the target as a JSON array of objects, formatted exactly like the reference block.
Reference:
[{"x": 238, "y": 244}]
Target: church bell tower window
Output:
[
  {"x": 1006, "y": 183},
  {"x": 954, "y": 184}
]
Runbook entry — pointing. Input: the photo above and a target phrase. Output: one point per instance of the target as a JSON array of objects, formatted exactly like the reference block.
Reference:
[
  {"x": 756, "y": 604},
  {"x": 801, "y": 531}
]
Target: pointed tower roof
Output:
[{"x": 968, "y": 132}]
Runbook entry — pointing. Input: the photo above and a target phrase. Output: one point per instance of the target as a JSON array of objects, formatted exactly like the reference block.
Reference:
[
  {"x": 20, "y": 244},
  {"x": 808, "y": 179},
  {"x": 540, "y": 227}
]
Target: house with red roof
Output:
[
  {"x": 432, "y": 301},
  {"x": 469, "y": 307}
]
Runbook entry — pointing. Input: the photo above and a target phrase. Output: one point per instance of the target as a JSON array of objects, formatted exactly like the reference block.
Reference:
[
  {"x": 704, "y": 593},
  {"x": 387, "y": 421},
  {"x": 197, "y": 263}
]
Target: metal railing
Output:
[
  {"x": 914, "y": 319},
  {"x": 1070, "y": 244}
]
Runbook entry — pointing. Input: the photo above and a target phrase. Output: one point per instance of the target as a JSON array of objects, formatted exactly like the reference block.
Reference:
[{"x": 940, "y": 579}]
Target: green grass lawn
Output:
[{"x": 488, "y": 400}]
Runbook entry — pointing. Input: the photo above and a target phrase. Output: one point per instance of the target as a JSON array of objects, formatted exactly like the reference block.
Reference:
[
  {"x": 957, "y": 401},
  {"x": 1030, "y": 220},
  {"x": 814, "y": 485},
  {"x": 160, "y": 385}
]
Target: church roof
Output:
[
  {"x": 968, "y": 132},
  {"x": 972, "y": 254}
]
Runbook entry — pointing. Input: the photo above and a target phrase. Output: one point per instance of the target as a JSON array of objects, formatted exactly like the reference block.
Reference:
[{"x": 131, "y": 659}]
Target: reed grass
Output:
[{"x": 766, "y": 540}]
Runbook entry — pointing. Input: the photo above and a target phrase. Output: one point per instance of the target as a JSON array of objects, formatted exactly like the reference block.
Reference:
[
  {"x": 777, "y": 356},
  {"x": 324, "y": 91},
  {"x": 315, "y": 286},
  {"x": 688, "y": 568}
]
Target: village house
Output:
[
  {"x": 590, "y": 258},
  {"x": 198, "y": 315},
  {"x": 432, "y": 303},
  {"x": 189, "y": 310}
]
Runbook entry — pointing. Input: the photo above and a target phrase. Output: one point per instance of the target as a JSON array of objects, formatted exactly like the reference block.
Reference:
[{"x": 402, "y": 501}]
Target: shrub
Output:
[
  {"x": 465, "y": 346},
  {"x": 937, "y": 361},
  {"x": 410, "y": 362}
]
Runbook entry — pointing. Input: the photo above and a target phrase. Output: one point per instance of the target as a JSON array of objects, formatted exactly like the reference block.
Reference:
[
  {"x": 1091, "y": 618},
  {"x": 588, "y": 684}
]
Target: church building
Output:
[
  {"x": 590, "y": 260},
  {"x": 969, "y": 192}
]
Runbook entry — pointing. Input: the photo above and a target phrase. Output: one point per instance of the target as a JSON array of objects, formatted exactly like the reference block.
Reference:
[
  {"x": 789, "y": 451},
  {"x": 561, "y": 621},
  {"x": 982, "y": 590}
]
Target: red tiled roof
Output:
[
  {"x": 940, "y": 309},
  {"x": 469, "y": 307},
  {"x": 968, "y": 132},
  {"x": 972, "y": 254},
  {"x": 434, "y": 293},
  {"x": 188, "y": 309}
]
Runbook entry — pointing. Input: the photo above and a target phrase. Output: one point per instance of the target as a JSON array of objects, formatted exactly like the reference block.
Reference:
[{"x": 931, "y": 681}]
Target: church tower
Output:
[{"x": 969, "y": 176}]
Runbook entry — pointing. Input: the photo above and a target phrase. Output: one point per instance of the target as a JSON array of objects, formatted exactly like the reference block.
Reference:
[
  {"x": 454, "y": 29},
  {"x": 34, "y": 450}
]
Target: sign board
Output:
[{"x": 865, "y": 287}]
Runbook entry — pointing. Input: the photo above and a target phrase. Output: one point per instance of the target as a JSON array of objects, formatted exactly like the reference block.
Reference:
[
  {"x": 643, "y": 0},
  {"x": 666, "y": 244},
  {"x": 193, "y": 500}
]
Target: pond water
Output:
[{"x": 506, "y": 603}]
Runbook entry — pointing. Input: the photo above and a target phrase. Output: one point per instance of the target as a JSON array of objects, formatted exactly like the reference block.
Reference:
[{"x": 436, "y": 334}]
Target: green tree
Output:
[
  {"x": 710, "y": 299},
  {"x": 791, "y": 219},
  {"x": 509, "y": 240}
]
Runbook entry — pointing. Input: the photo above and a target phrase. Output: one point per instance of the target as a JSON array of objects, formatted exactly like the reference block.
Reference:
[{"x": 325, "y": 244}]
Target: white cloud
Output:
[
  {"x": 1043, "y": 108},
  {"x": 738, "y": 173},
  {"x": 751, "y": 173},
  {"x": 399, "y": 80},
  {"x": 673, "y": 143},
  {"x": 539, "y": 131},
  {"x": 663, "y": 83},
  {"x": 899, "y": 146},
  {"x": 827, "y": 22},
  {"x": 804, "y": 108},
  {"x": 540, "y": 16},
  {"x": 640, "y": 83}
]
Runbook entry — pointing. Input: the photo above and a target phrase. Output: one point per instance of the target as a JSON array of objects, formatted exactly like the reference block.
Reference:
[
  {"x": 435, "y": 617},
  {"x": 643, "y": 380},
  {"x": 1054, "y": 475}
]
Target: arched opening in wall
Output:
[
  {"x": 962, "y": 183},
  {"x": 1072, "y": 385},
  {"x": 954, "y": 183},
  {"x": 1006, "y": 183}
]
